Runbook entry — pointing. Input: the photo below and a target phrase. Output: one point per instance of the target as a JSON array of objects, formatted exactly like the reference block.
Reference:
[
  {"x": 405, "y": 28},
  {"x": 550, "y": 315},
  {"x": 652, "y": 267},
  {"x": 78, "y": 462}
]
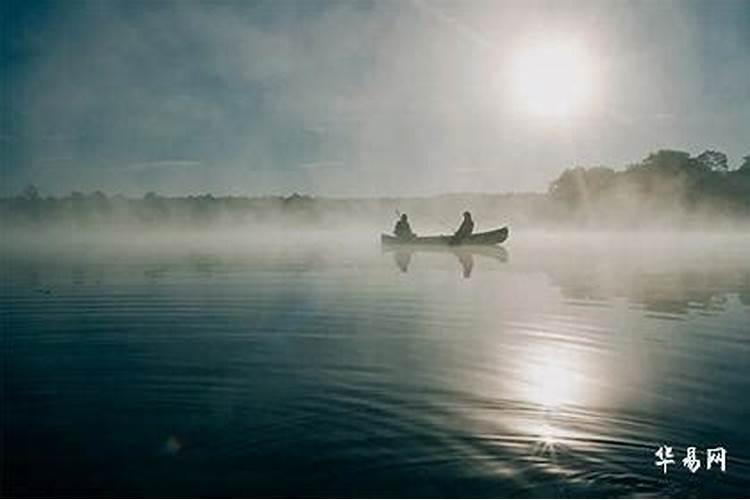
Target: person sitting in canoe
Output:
[
  {"x": 403, "y": 229},
  {"x": 464, "y": 231}
]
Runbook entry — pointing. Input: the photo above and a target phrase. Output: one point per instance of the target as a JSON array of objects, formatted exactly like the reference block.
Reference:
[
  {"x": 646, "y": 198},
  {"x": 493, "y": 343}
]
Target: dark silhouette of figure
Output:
[
  {"x": 403, "y": 230},
  {"x": 465, "y": 230}
]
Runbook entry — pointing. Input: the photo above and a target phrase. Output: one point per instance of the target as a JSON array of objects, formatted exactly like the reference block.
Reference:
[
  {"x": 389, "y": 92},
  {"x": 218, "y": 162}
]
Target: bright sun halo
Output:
[{"x": 553, "y": 79}]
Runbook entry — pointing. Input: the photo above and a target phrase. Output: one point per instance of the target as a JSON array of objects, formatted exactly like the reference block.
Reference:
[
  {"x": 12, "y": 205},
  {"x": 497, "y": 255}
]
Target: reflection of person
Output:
[
  {"x": 465, "y": 230},
  {"x": 402, "y": 260},
  {"x": 467, "y": 262},
  {"x": 465, "y": 255},
  {"x": 403, "y": 229}
]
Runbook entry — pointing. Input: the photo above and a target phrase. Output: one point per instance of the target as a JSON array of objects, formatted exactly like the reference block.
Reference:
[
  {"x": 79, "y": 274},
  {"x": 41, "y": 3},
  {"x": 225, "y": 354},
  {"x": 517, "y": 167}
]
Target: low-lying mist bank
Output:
[
  {"x": 298, "y": 213},
  {"x": 295, "y": 212},
  {"x": 667, "y": 190},
  {"x": 253, "y": 240},
  {"x": 441, "y": 214},
  {"x": 664, "y": 272}
]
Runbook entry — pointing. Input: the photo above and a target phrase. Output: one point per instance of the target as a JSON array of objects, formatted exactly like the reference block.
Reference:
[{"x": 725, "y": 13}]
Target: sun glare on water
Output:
[
  {"x": 553, "y": 79},
  {"x": 553, "y": 381}
]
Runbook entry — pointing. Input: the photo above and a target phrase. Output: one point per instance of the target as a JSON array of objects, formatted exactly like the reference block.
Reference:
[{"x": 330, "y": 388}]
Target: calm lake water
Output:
[{"x": 556, "y": 367}]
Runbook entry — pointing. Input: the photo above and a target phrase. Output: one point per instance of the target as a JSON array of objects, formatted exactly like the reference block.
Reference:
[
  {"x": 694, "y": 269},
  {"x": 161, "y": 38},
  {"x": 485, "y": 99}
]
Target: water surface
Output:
[{"x": 556, "y": 367}]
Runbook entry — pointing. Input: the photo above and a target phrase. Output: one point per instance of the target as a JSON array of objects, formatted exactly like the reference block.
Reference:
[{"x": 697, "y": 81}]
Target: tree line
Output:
[
  {"x": 667, "y": 187},
  {"x": 666, "y": 184}
]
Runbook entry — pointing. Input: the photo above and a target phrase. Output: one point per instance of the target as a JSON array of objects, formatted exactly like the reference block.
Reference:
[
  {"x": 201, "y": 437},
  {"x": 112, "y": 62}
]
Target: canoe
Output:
[{"x": 494, "y": 237}]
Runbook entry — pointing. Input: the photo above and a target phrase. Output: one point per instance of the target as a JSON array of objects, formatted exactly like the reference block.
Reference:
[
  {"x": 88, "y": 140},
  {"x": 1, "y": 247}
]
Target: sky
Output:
[{"x": 360, "y": 98}]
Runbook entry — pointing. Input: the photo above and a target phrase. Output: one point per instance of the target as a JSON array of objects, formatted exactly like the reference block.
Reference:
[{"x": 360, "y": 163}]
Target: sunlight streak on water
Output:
[{"x": 553, "y": 376}]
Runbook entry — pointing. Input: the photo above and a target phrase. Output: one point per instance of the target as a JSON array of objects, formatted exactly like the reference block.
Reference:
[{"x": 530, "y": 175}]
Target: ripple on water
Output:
[{"x": 217, "y": 377}]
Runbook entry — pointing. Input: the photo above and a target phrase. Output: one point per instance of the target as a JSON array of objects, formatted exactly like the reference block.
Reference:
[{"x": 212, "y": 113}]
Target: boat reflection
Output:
[{"x": 402, "y": 256}]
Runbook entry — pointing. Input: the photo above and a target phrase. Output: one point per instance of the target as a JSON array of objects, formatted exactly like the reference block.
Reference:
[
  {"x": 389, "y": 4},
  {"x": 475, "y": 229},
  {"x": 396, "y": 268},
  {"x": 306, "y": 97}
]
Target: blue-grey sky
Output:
[{"x": 357, "y": 97}]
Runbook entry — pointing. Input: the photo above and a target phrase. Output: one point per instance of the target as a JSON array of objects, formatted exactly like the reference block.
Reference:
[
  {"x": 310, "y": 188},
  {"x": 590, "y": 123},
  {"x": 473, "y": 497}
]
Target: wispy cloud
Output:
[
  {"x": 322, "y": 164},
  {"x": 462, "y": 29},
  {"x": 160, "y": 164}
]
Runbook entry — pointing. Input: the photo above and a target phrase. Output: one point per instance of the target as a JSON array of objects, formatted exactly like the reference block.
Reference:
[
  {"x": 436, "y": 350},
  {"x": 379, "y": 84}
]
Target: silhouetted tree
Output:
[
  {"x": 666, "y": 182},
  {"x": 667, "y": 160},
  {"x": 713, "y": 160},
  {"x": 30, "y": 193},
  {"x": 153, "y": 208}
]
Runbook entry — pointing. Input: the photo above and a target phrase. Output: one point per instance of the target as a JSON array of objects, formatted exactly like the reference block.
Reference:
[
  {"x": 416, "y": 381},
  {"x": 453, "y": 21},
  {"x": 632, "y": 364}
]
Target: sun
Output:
[{"x": 552, "y": 79}]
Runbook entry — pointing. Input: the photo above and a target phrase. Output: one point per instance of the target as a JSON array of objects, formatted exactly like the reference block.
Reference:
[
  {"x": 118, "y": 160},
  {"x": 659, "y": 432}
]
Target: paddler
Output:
[
  {"x": 464, "y": 231},
  {"x": 403, "y": 229}
]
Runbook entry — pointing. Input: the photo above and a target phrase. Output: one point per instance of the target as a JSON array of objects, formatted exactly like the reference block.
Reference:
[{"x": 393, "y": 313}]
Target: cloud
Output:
[
  {"x": 322, "y": 164},
  {"x": 160, "y": 164}
]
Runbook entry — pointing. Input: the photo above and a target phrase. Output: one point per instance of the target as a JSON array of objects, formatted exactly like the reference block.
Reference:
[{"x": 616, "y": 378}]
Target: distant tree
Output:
[
  {"x": 579, "y": 185},
  {"x": 30, "y": 192},
  {"x": 713, "y": 160},
  {"x": 599, "y": 179},
  {"x": 98, "y": 196},
  {"x": 568, "y": 187},
  {"x": 154, "y": 206},
  {"x": 667, "y": 160},
  {"x": 100, "y": 203},
  {"x": 745, "y": 166}
]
